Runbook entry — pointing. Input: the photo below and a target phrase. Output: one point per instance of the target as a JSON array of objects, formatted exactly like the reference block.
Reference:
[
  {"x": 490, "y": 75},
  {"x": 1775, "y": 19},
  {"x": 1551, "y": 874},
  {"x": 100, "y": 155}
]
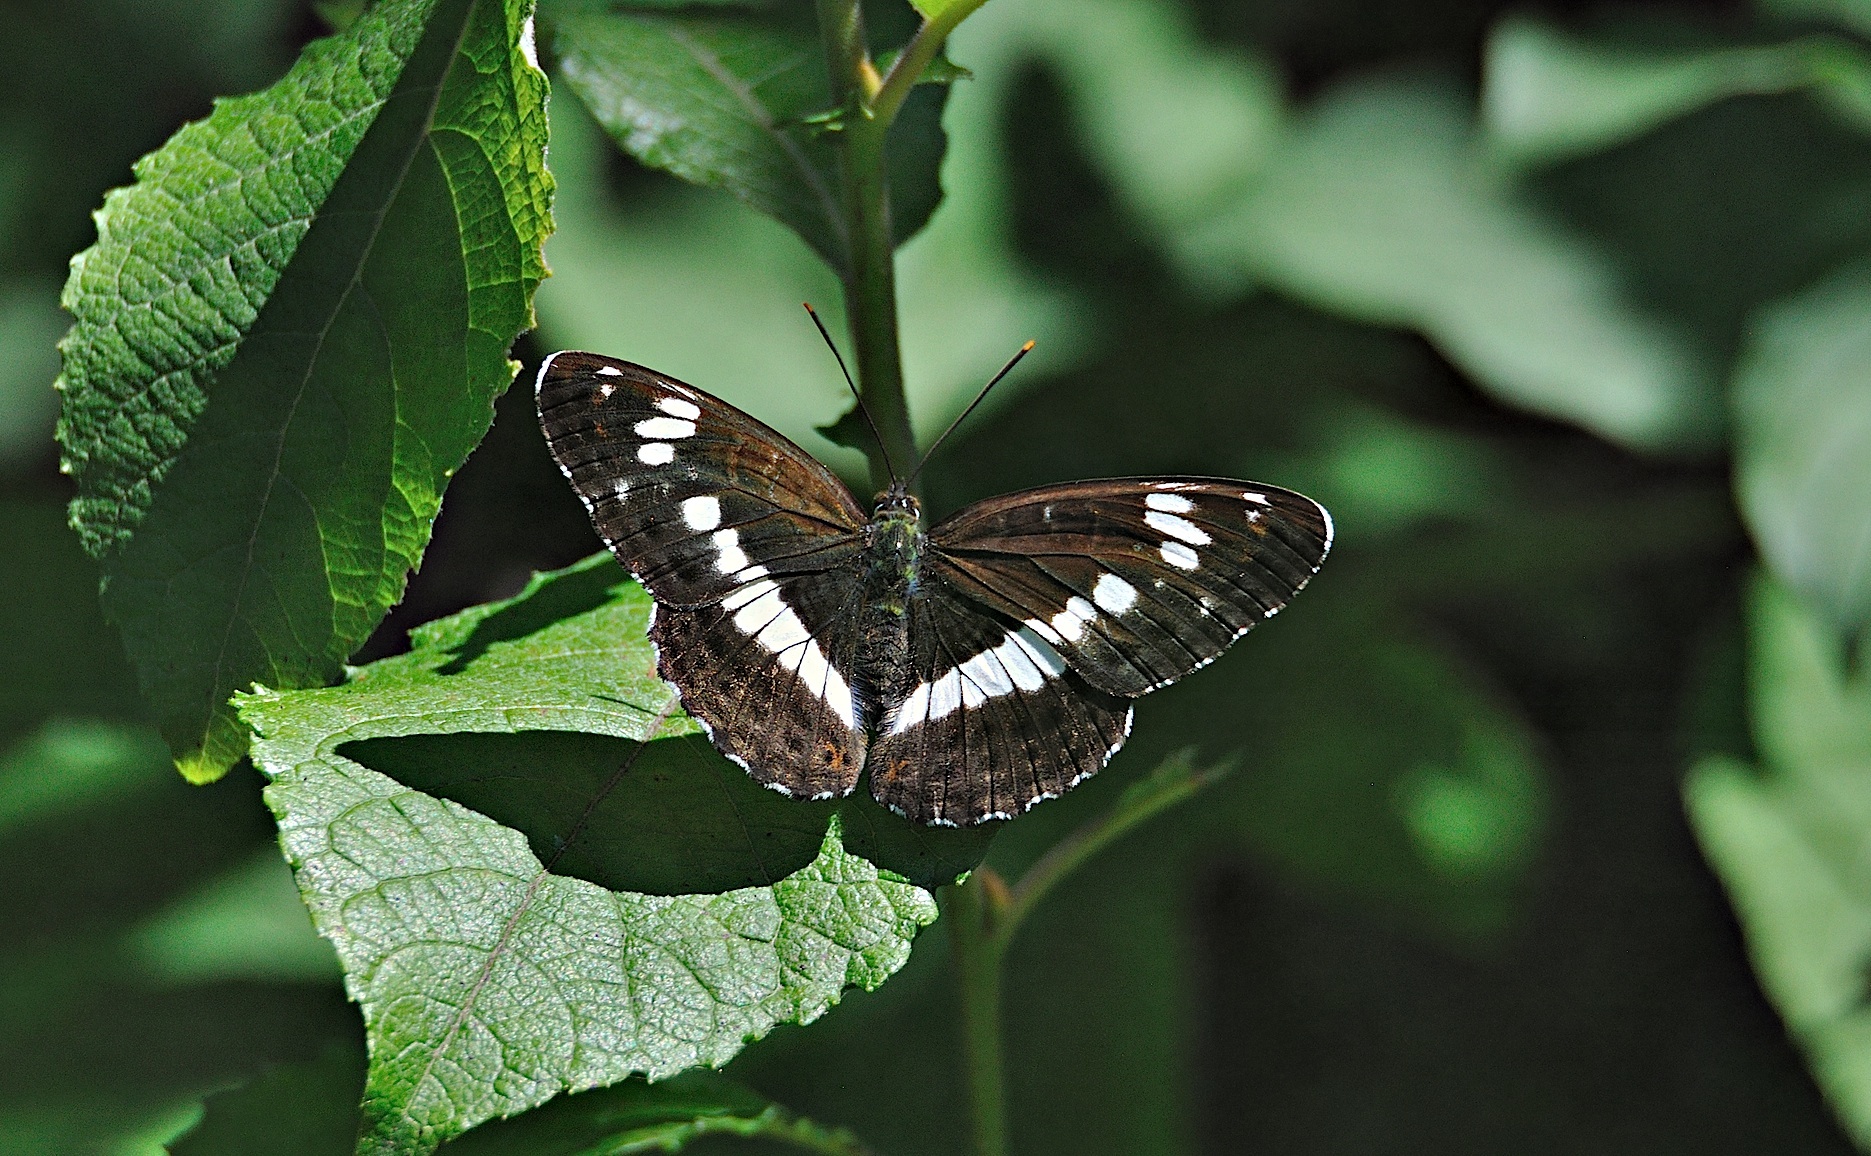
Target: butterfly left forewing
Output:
[
  {"x": 688, "y": 491},
  {"x": 1135, "y": 581},
  {"x": 749, "y": 546}
]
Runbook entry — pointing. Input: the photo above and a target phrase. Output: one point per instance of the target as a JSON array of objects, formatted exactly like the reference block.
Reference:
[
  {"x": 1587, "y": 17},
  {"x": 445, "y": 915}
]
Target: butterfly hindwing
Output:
[
  {"x": 750, "y": 547},
  {"x": 765, "y": 671},
  {"x": 991, "y": 719},
  {"x": 1135, "y": 581}
]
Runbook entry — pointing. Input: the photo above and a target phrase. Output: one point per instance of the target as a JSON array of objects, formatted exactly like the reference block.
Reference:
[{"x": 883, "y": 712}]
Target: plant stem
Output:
[
  {"x": 870, "y": 268},
  {"x": 1174, "y": 780},
  {"x": 973, "y": 911}
]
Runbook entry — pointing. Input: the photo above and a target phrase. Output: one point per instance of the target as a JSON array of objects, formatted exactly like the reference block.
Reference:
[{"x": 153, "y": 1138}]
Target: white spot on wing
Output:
[
  {"x": 605, "y": 389},
  {"x": 760, "y": 611},
  {"x": 915, "y": 709},
  {"x": 1072, "y": 621},
  {"x": 1112, "y": 594},
  {"x": 656, "y": 453},
  {"x": 732, "y": 558},
  {"x": 702, "y": 513},
  {"x": 676, "y": 407},
  {"x": 1168, "y": 503},
  {"x": 609, "y": 371},
  {"x": 945, "y": 695},
  {"x": 988, "y": 675},
  {"x": 1024, "y": 661},
  {"x": 1043, "y": 655},
  {"x": 746, "y": 594},
  {"x": 1260, "y": 499},
  {"x": 1179, "y": 555},
  {"x": 1044, "y": 631},
  {"x": 664, "y": 427},
  {"x": 1177, "y": 527}
]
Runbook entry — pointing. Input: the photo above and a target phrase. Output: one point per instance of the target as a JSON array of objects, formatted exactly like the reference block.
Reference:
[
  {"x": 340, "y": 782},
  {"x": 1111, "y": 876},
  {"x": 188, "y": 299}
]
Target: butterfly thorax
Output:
[{"x": 894, "y": 544}]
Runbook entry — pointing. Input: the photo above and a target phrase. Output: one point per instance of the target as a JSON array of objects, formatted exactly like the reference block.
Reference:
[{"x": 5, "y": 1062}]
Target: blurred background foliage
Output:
[{"x": 1564, "y": 311}]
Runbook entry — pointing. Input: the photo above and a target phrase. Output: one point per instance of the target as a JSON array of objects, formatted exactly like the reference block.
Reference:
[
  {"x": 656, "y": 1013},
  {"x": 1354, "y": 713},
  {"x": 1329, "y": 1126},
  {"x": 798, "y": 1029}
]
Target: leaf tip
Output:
[{"x": 200, "y": 767}]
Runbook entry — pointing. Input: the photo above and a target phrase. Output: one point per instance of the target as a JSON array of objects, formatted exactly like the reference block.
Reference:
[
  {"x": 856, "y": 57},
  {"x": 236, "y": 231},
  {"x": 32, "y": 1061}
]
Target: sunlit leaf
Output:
[
  {"x": 1790, "y": 842},
  {"x": 288, "y": 336},
  {"x": 1803, "y": 434}
]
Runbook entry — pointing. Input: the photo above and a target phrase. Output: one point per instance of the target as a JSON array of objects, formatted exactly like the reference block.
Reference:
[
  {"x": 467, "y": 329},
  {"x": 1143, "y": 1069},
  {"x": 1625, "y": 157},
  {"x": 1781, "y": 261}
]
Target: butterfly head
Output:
[{"x": 897, "y": 504}]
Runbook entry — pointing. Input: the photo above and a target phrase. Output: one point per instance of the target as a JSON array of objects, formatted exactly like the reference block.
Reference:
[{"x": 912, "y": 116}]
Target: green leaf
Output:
[
  {"x": 490, "y": 981},
  {"x": 1803, "y": 443},
  {"x": 288, "y": 337},
  {"x": 1547, "y": 96},
  {"x": 1791, "y": 843},
  {"x": 722, "y": 100},
  {"x": 663, "y": 1117},
  {"x": 1379, "y": 207}
]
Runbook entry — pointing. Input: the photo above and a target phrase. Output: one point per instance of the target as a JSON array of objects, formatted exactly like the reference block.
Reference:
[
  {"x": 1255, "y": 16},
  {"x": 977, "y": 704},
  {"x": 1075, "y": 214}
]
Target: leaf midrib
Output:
[{"x": 422, "y": 138}]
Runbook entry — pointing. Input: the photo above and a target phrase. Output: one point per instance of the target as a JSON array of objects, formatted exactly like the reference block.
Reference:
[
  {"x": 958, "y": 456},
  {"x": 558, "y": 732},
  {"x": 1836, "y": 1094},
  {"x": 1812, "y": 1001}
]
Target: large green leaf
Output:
[
  {"x": 1792, "y": 841},
  {"x": 1803, "y": 440},
  {"x": 722, "y": 99},
  {"x": 288, "y": 337},
  {"x": 491, "y": 977}
]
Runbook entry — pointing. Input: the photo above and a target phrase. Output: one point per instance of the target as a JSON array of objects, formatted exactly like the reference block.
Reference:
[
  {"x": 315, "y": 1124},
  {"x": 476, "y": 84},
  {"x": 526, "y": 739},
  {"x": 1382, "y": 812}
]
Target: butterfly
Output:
[{"x": 975, "y": 668}]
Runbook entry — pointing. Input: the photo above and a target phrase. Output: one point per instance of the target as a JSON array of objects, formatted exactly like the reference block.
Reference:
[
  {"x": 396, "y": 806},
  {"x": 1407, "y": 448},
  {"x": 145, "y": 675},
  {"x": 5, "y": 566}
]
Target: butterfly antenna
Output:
[
  {"x": 862, "y": 408},
  {"x": 978, "y": 398}
]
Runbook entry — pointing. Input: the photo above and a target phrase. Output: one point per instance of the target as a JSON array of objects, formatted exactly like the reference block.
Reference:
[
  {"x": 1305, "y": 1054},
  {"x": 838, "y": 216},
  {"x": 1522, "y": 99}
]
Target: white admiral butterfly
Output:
[{"x": 974, "y": 669}]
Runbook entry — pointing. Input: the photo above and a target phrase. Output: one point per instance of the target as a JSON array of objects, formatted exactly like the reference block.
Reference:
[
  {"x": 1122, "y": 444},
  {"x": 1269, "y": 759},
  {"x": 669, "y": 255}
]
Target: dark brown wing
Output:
[
  {"x": 1135, "y": 581},
  {"x": 750, "y": 548},
  {"x": 687, "y": 490},
  {"x": 992, "y": 722}
]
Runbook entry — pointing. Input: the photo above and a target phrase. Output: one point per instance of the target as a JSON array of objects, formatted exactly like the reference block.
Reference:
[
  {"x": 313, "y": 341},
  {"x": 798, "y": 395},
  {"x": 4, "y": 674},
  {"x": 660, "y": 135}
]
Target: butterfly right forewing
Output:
[{"x": 1136, "y": 581}]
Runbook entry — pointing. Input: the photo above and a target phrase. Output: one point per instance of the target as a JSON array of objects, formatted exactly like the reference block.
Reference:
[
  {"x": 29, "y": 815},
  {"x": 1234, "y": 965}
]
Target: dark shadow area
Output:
[
  {"x": 571, "y": 595},
  {"x": 1623, "y": 1021},
  {"x": 672, "y": 817}
]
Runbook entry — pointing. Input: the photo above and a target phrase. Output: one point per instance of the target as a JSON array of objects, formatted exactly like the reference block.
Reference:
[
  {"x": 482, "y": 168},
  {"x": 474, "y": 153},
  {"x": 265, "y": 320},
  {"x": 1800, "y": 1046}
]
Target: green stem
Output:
[
  {"x": 870, "y": 269},
  {"x": 1170, "y": 783},
  {"x": 973, "y": 911},
  {"x": 894, "y": 89}
]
